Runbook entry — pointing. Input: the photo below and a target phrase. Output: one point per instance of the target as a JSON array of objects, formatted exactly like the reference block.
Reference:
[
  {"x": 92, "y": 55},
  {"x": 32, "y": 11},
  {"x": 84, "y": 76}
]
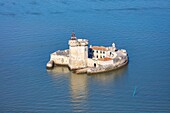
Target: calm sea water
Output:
[{"x": 31, "y": 30}]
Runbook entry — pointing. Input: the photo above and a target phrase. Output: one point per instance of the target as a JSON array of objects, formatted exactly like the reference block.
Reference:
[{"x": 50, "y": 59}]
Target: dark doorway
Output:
[{"x": 94, "y": 64}]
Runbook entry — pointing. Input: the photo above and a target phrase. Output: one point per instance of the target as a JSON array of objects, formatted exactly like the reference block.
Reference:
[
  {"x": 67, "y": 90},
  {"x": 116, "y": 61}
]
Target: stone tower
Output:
[{"x": 78, "y": 52}]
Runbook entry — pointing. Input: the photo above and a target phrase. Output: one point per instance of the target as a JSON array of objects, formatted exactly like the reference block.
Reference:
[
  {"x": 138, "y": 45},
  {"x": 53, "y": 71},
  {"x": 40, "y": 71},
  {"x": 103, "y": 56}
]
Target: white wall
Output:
[
  {"x": 108, "y": 62},
  {"x": 78, "y": 56},
  {"x": 90, "y": 62},
  {"x": 60, "y": 59}
]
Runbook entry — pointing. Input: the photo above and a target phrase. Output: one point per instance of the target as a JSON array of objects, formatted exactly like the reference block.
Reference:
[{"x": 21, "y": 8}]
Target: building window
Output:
[
  {"x": 103, "y": 52},
  {"x": 110, "y": 53},
  {"x": 103, "y": 56},
  {"x": 100, "y": 56},
  {"x": 97, "y": 56},
  {"x": 96, "y": 51},
  {"x": 100, "y": 51}
]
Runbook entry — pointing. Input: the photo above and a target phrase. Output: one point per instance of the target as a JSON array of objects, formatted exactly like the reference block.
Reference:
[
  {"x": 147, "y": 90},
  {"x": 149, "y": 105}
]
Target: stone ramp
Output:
[{"x": 81, "y": 71}]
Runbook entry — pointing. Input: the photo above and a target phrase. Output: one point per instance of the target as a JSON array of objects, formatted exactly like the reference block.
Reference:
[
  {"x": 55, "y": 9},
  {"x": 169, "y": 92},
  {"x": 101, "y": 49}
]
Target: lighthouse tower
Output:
[{"x": 78, "y": 52}]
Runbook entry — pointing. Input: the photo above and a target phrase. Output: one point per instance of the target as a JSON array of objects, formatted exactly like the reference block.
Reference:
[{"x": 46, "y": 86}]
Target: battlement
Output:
[
  {"x": 78, "y": 42},
  {"x": 82, "y": 42}
]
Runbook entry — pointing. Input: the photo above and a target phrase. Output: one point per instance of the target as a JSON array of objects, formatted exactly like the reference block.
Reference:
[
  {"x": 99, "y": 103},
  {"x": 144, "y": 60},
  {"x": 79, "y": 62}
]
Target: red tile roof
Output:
[
  {"x": 105, "y": 59},
  {"x": 101, "y": 48}
]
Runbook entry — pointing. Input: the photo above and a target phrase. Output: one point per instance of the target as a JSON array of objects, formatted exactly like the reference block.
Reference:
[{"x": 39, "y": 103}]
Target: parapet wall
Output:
[
  {"x": 77, "y": 64},
  {"x": 78, "y": 42},
  {"x": 59, "y": 59}
]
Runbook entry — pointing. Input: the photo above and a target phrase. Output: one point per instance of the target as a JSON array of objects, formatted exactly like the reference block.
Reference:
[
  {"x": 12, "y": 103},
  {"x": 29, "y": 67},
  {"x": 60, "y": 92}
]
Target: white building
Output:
[{"x": 80, "y": 56}]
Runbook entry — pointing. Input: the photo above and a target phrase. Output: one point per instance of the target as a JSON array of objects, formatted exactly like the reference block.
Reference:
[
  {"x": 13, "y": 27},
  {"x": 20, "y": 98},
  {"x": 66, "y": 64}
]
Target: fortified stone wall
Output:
[
  {"x": 90, "y": 62},
  {"x": 78, "y": 53},
  {"x": 78, "y": 56},
  {"x": 109, "y": 62},
  {"x": 60, "y": 59}
]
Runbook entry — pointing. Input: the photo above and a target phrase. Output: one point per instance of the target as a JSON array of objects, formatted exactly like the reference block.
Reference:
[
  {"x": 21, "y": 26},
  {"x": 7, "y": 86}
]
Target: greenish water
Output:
[{"x": 31, "y": 30}]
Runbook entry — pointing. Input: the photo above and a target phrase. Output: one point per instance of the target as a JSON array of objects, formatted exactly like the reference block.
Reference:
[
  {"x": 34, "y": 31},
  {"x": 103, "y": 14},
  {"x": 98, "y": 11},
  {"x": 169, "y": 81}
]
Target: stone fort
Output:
[{"x": 80, "y": 56}]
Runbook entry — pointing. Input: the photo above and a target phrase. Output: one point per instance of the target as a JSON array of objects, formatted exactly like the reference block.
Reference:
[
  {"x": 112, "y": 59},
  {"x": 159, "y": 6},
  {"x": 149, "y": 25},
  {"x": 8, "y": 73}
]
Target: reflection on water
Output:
[
  {"x": 78, "y": 91},
  {"x": 110, "y": 76},
  {"x": 78, "y": 87},
  {"x": 59, "y": 70},
  {"x": 79, "y": 84}
]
